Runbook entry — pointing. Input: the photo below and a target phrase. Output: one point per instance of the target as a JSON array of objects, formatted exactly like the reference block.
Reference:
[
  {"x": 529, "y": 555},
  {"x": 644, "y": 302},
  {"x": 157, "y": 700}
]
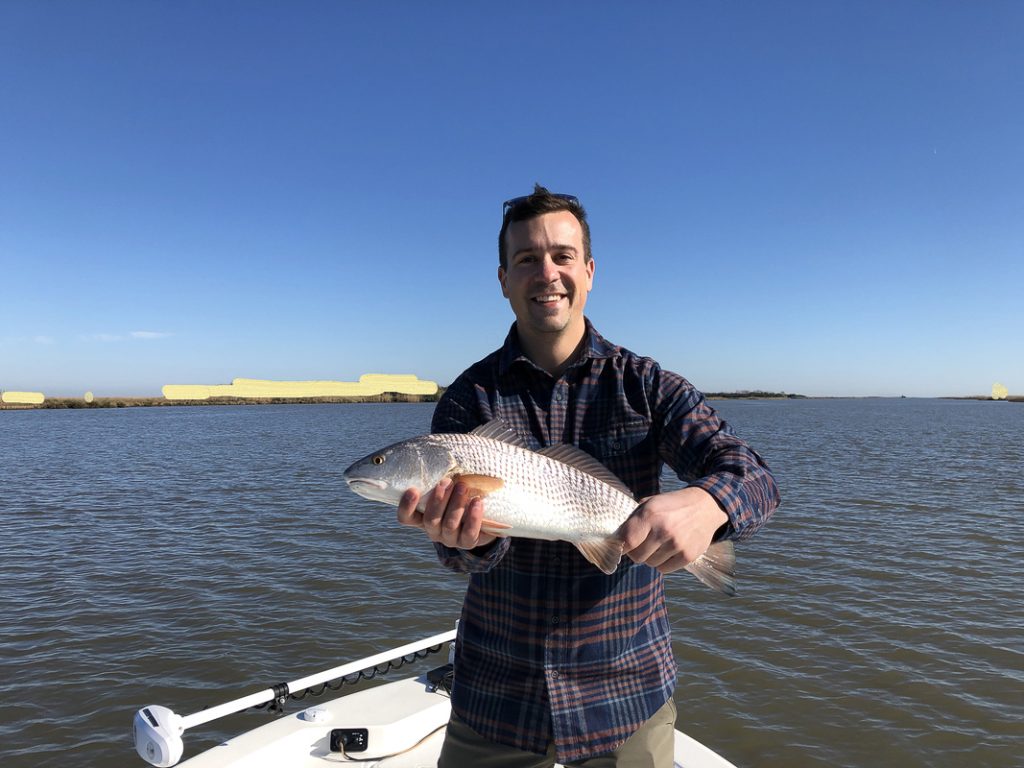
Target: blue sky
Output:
[{"x": 816, "y": 197}]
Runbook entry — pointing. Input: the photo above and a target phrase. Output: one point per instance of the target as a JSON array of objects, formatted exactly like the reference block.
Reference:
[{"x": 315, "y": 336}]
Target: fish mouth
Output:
[
  {"x": 366, "y": 483},
  {"x": 374, "y": 490}
]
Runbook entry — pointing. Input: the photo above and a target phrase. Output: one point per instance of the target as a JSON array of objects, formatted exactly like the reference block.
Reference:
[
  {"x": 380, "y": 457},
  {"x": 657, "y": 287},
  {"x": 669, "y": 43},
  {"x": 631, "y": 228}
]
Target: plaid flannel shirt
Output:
[{"x": 550, "y": 648}]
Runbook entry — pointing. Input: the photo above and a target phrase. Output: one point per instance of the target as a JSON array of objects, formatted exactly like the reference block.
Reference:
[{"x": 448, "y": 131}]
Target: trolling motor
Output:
[{"x": 157, "y": 731}]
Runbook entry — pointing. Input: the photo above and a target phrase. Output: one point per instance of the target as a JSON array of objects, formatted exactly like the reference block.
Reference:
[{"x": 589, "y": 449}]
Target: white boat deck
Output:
[{"x": 401, "y": 724}]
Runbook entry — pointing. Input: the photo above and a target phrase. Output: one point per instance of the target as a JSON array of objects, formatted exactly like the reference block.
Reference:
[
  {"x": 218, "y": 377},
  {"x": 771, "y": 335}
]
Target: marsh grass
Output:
[{"x": 146, "y": 402}]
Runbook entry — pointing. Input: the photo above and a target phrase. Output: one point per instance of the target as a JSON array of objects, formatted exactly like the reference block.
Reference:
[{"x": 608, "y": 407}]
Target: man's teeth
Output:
[{"x": 546, "y": 299}]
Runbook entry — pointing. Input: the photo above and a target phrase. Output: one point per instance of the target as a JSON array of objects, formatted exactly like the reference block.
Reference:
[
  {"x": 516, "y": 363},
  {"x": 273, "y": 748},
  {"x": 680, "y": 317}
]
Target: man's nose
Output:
[{"x": 548, "y": 269}]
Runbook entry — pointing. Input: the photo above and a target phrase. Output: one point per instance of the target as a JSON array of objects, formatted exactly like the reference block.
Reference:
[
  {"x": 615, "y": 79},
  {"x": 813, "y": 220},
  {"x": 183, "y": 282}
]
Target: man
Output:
[{"x": 555, "y": 659}]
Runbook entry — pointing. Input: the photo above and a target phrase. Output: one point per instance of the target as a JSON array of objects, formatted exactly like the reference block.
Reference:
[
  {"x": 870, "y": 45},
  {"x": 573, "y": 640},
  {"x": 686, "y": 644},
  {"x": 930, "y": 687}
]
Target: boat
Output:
[{"x": 398, "y": 724}]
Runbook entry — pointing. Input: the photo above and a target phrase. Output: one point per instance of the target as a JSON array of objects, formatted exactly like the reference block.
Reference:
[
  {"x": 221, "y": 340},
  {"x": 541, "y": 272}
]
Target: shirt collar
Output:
[{"x": 595, "y": 348}]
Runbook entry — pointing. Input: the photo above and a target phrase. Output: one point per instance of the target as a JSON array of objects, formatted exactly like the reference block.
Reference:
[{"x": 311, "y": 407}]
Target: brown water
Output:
[{"x": 188, "y": 556}]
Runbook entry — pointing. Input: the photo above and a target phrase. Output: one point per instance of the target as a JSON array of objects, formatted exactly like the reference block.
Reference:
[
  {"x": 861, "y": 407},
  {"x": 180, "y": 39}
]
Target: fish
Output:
[{"x": 557, "y": 493}]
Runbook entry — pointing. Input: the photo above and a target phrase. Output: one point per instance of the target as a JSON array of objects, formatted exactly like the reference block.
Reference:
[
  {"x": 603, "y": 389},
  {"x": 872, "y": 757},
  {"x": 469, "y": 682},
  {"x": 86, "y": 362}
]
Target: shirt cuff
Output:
[
  {"x": 478, "y": 560},
  {"x": 723, "y": 491}
]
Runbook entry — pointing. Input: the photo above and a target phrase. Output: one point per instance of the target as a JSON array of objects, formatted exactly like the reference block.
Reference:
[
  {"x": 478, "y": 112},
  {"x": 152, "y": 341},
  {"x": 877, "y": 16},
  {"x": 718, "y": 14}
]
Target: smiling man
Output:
[
  {"x": 546, "y": 275},
  {"x": 556, "y": 660}
]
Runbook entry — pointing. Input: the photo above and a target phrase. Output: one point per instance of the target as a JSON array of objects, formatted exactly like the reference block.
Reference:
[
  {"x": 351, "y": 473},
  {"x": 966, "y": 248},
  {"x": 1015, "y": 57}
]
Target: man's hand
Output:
[
  {"x": 449, "y": 516},
  {"x": 671, "y": 530}
]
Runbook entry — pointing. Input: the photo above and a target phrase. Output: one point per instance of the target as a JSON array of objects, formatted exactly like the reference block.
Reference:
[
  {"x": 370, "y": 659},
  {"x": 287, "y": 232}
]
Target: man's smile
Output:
[{"x": 549, "y": 298}]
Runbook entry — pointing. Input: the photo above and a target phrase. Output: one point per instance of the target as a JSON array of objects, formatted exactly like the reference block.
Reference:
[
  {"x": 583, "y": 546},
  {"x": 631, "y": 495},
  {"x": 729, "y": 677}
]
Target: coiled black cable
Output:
[{"x": 277, "y": 704}]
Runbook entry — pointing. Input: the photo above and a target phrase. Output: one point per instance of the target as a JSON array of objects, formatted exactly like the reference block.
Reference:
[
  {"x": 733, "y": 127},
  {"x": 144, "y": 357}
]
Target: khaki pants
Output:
[{"x": 650, "y": 747}]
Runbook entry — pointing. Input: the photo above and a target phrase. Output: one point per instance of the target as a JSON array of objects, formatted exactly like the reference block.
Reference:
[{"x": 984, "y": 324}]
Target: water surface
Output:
[{"x": 187, "y": 556}]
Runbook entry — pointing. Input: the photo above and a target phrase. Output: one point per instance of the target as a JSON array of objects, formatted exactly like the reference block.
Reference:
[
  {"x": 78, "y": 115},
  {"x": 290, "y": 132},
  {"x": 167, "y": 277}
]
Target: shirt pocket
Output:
[{"x": 623, "y": 447}]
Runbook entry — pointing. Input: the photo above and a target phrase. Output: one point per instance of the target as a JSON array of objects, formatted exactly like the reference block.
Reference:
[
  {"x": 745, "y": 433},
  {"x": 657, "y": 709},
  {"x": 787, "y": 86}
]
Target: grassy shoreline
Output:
[
  {"x": 754, "y": 395},
  {"x": 1008, "y": 398},
  {"x": 161, "y": 402},
  {"x": 58, "y": 403}
]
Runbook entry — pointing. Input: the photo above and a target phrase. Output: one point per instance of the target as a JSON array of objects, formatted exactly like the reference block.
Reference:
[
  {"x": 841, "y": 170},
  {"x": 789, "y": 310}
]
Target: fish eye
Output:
[{"x": 378, "y": 459}]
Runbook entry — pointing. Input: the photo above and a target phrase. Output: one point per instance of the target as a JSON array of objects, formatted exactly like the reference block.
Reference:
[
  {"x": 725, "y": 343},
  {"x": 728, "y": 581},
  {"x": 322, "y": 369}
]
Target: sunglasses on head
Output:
[{"x": 509, "y": 204}]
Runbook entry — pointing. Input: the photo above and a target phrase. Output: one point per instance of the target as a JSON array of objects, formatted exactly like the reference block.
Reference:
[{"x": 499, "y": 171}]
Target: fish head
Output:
[{"x": 386, "y": 474}]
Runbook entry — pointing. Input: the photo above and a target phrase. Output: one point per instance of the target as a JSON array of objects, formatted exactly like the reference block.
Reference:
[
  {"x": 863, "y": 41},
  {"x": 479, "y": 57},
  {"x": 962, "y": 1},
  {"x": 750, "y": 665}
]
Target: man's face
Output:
[{"x": 547, "y": 279}]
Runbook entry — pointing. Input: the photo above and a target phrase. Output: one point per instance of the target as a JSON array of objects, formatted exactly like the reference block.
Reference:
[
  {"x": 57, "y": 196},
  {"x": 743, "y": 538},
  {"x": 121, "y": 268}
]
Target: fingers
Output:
[
  {"x": 407, "y": 512},
  {"x": 666, "y": 556},
  {"x": 449, "y": 516},
  {"x": 637, "y": 541},
  {"x": 460, "y": 526},
  {"x": 450, "y": 523},
  {"x": 468, "y": 534},
  {"x": 647, "y": 539},
  {"x": 647, "y": 551},
  {"x": 434, "y": 508},
  {"x": 673, "y": 564}
]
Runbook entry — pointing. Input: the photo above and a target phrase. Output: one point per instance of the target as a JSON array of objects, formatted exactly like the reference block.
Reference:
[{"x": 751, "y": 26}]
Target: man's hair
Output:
[{"x": 540, "y": 202}]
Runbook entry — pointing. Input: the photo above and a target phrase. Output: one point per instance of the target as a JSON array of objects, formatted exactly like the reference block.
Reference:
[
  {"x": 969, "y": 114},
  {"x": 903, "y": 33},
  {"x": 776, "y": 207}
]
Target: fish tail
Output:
[
  {"x": 605, "y": 553},
  {"x": 717, "y": 567}
]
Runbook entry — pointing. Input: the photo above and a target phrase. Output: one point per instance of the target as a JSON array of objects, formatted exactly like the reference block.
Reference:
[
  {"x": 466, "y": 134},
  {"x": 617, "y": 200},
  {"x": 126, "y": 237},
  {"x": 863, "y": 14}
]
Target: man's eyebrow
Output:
[{"x": 556, "y": 247}]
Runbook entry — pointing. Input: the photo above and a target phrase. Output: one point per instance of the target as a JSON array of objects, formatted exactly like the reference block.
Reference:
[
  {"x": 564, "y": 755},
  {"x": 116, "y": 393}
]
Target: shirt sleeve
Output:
[
  {"x": 479, "y": 560},
  {"x": 457, "y": 412},
  {"x": 705, "y": 453}
]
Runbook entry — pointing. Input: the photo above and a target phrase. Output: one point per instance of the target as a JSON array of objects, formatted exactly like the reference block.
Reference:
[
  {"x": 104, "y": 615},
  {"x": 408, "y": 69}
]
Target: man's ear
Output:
[{"x": 501, "y": 279}]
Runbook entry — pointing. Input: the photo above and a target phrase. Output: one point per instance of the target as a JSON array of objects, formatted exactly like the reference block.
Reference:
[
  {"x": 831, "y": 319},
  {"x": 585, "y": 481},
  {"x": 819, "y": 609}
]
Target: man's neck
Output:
[{"x": 553, "y": 352}]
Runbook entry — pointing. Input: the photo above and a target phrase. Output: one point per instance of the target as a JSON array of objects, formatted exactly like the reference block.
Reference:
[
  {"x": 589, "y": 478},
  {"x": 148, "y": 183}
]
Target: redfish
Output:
[{"x": 556, "y": 493}]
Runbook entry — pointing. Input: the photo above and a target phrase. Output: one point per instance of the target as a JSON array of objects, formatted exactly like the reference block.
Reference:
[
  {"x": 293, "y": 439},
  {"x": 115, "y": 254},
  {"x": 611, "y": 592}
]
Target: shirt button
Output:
[
  {"x": 554, "y": 673},
  {"x": 554, "y": 619},
  {"x": 558, "y": 395}
]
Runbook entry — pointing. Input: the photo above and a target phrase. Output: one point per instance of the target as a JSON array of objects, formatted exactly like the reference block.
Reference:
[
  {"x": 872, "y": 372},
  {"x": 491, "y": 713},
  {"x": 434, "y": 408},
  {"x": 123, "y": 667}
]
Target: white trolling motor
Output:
[{"x": 157, "y": 731}]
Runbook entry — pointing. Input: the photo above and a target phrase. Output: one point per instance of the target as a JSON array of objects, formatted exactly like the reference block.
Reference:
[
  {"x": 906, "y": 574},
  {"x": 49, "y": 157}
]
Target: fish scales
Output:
[
  {"x": 540, "y": 494},
  {"x": 558, "y": 493}
]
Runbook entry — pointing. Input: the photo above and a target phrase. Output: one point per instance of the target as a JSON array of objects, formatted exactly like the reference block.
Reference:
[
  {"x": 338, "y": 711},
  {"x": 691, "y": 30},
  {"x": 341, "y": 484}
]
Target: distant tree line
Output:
[
  {"x": 142, "y": 402},
  {"x": 753, "y": 394}
]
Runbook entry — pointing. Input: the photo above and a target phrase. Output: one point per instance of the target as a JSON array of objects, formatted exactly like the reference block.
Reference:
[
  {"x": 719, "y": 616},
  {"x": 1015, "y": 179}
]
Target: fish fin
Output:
[
  {"x": 494, "y": 528},
  {"x": 605, "y": 553},
  {"x": 584, "y": 462},
  {"x": 717, "y": 567},
  {"x": 496, "y": 429},
  {"x": 480, "y": 485}
]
